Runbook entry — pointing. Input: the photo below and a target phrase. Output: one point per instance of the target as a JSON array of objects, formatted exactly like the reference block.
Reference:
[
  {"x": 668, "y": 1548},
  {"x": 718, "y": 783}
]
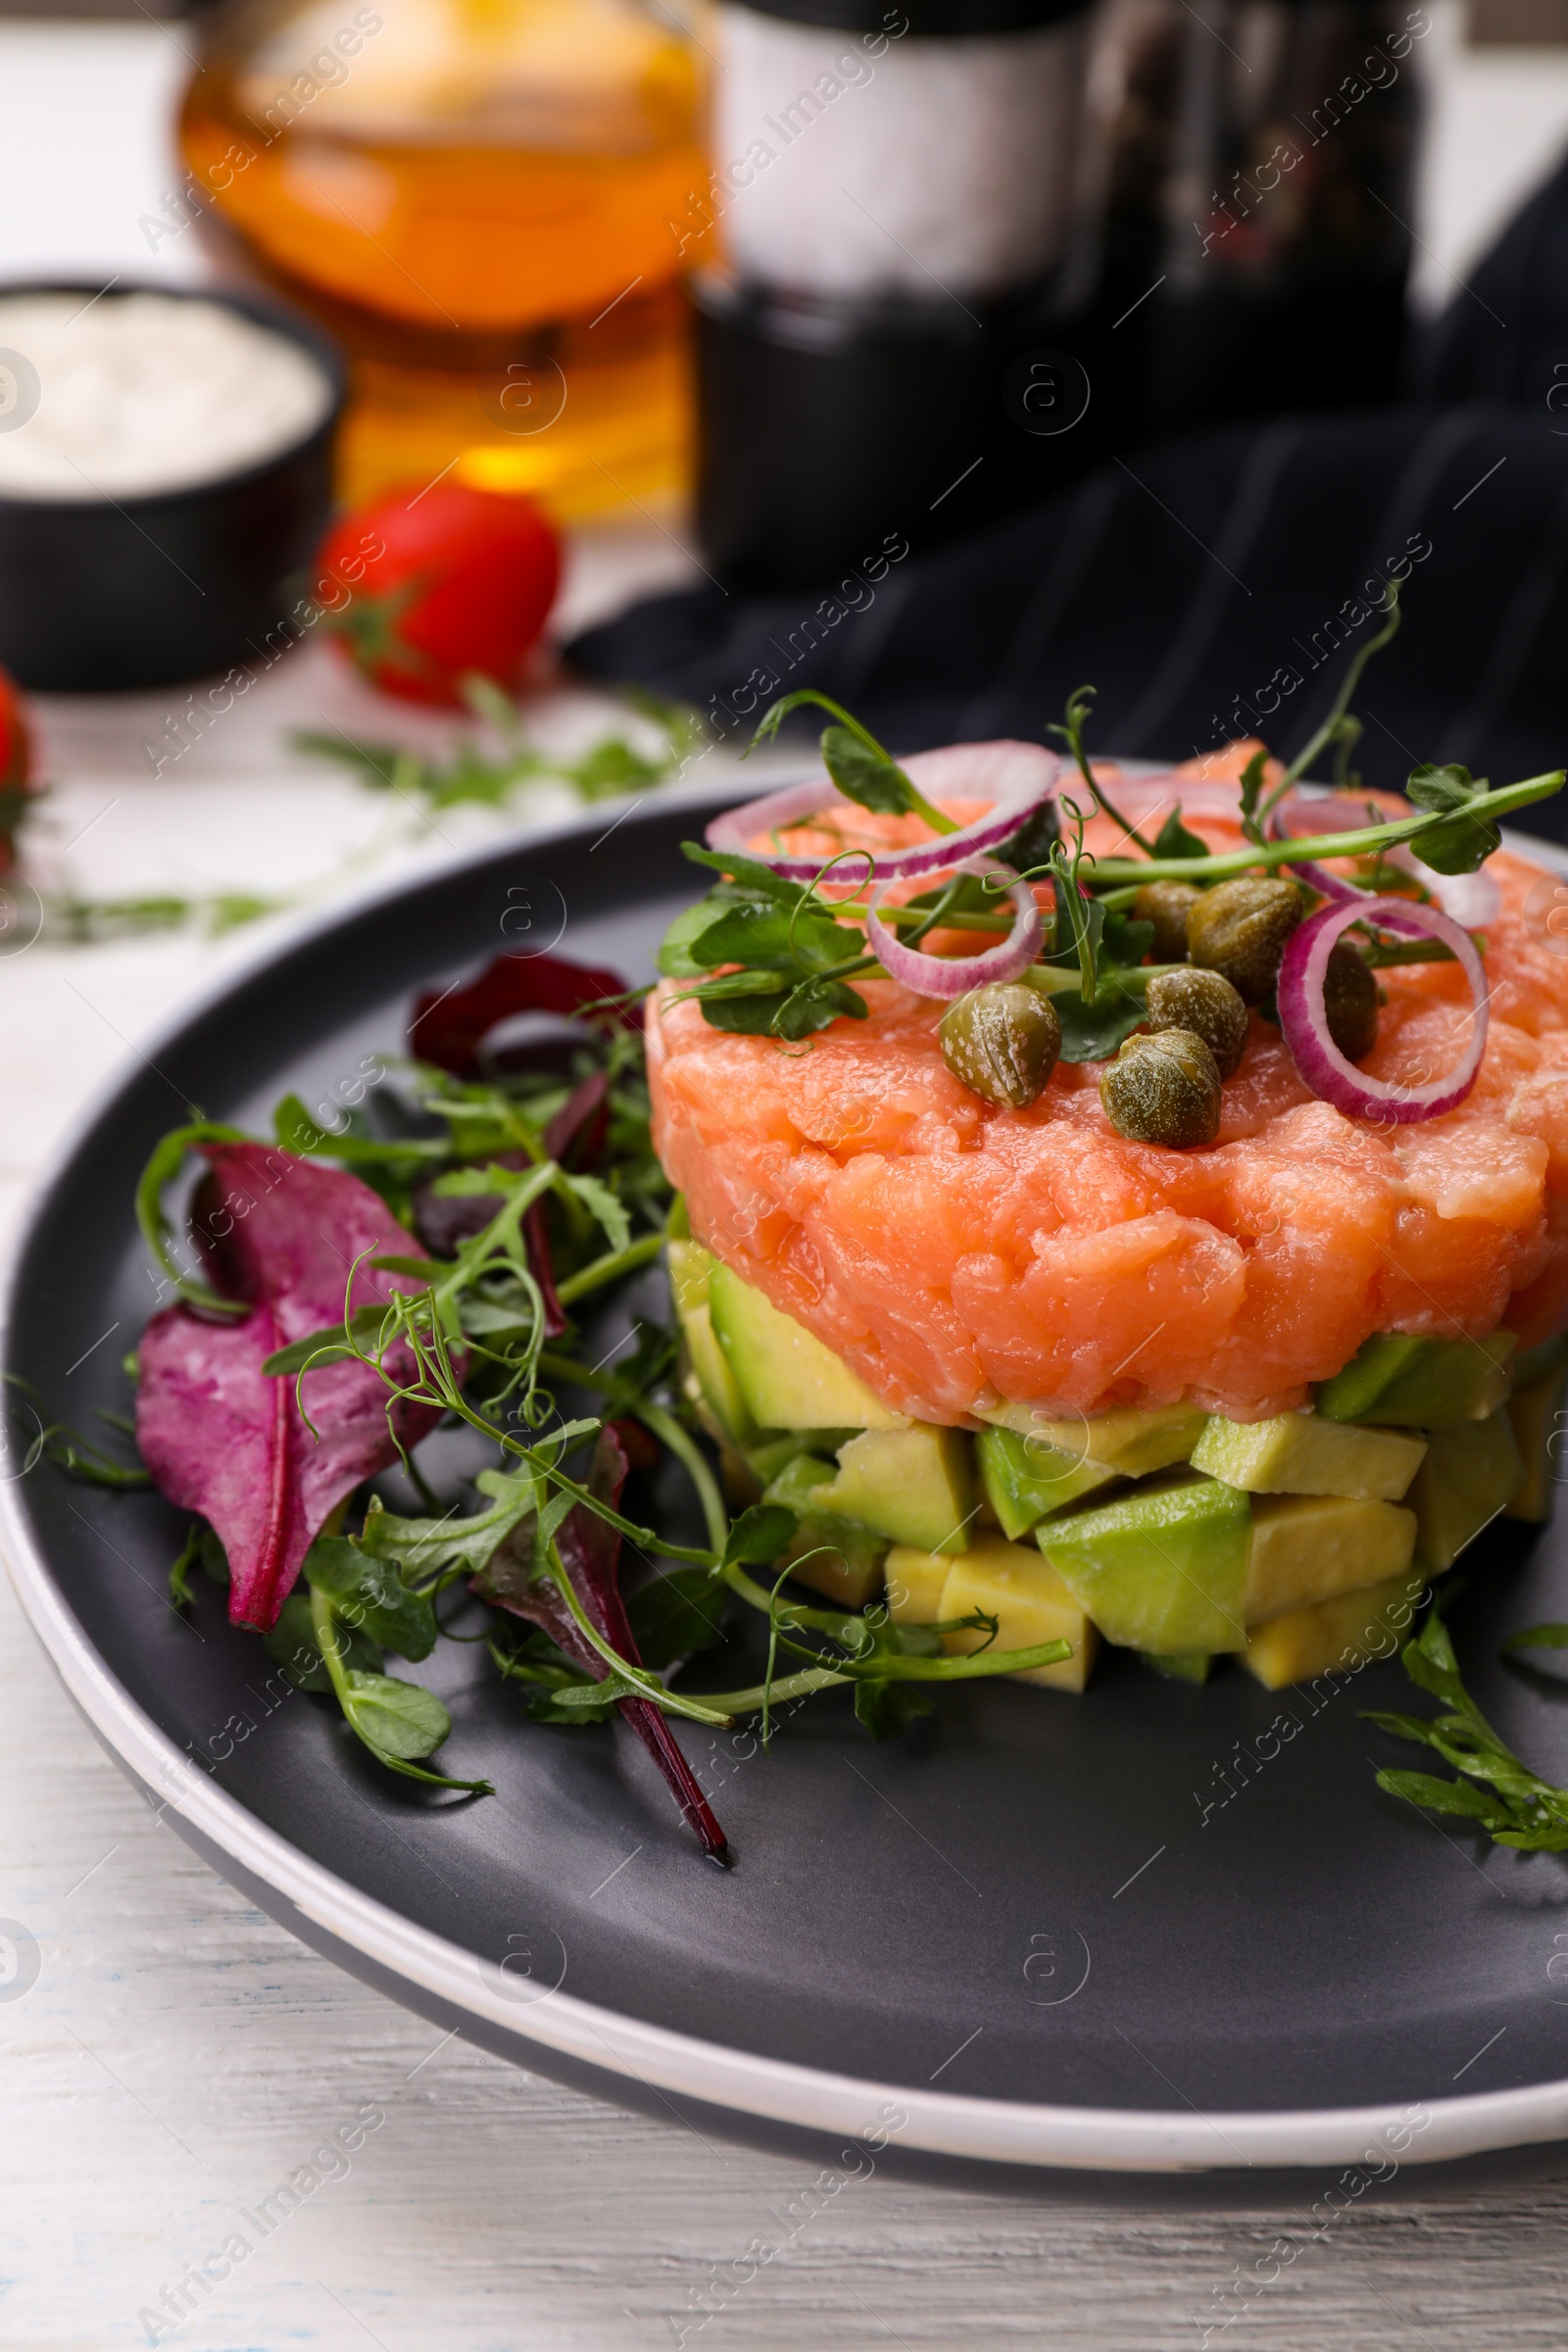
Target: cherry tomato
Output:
[
  {"x": 431, "y": 585},
  {"x": 16, "y": 770}
]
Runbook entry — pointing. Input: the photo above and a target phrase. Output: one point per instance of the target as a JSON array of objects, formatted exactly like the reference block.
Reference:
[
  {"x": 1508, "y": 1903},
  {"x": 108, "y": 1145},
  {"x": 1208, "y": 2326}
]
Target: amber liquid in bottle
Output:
[{"x": 476, "y": 196}]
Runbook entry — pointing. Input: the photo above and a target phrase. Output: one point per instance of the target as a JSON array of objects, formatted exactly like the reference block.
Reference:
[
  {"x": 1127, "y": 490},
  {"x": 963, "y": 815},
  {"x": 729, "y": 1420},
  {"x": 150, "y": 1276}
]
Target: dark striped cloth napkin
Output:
[{"x": 1207, "y": 586}]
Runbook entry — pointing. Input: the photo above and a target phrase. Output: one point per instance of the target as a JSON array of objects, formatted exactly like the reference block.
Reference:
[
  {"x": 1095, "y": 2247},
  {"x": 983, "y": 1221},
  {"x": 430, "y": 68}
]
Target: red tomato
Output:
[
  {"x": 439, "y": 583},
  {"x": 16, "y": 770}
]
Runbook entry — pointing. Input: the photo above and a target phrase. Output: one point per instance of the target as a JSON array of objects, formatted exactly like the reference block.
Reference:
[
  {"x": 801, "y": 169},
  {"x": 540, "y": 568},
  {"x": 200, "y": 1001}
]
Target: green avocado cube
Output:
[
  {"x": 836, "y": 1556},
  {"x": 1025, "y": 1479},
  {"x": 786, "y": 1375},
  {"x": 772, "y": 1455},
  {"x": 1130, "y": 1442},
  {"x": 1163, "y": 1569},
  {"x": 1465, "y": 1480},
  {"x": 1535, "y": 1412},
  {"x": 690, "y": 1273},
  {"x": 1299, "y": 1454},
  {"x": 1181, "y": 1666},
  {"x": 915, "y": 1486},
  {"x": 1409, "y": 1381}
]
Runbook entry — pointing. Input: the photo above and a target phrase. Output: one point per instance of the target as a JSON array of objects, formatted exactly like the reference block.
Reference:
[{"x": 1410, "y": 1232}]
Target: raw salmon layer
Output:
[{"x": 960, "y": 1255}]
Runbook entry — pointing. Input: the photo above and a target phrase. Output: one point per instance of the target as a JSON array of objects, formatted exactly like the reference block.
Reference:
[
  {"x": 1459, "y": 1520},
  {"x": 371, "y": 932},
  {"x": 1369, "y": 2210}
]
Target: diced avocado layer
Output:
[
  {"x": 914, "y": 1485},
  {"x": 1009, "y": 1582},
  {"x": 1283, "y": 1543},
  {"x": 1026, "y": 1479},
  {"x": 1343, "y": 1633},
  {"x": 1163, "y": 1569},
  {"x": 1131, "y": 1443},
  {"x": 786, "y": 1377},
  {"x": 1536, "y": 1415},
  {"x": 1299, "y": 1453},
  {"x": 1311, "y": 1547},
  {"x": 1468, "y": 1476},
  {"x": 1408, "y": 1381}
]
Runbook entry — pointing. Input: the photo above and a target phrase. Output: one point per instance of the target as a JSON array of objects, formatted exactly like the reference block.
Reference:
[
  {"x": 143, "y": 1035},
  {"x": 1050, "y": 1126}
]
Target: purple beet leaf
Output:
[
  {"x": 219, "y": 1436},
  {"x": 590, "y": 1553},
  {"x": 449, "y": 1025}
]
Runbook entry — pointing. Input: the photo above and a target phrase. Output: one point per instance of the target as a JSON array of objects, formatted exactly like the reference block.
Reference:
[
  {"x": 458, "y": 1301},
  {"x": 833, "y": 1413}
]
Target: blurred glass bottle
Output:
[
  {"x": 1255, "y": 160},
  {"x": 473, "y": 196}
]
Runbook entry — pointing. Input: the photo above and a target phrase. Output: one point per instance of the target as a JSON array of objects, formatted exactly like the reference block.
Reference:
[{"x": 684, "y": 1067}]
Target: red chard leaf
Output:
[
  {"x": 220, "y": 1437},
  {"x": 590, "y": 1553},
  {"x": 449, "y": 1025}
]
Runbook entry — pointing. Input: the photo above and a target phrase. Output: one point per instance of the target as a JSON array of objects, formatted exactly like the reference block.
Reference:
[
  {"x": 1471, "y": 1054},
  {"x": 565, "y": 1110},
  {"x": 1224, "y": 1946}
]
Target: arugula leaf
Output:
[
  {"x": 746, "y": 874},
  {"x": 675, "y": 1615},
  {"x": 1518, "y": 1808},
  {"x": 1539, "y": 1636},
  {"x": 1123, "y": 942},
  {"x": 179, "y": 1591},
  {"x": 1174, "y": 840},
  {"x": 887, "y": 1709},
  {"x": 602, "y": 1206},
  {"x": 1465, "y": 839},
  {"x": 369, "y": 1596}
]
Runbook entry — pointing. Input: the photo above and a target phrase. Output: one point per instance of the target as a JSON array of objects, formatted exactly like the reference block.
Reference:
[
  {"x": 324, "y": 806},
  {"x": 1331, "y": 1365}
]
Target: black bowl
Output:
[{"x": 105, "y": 596}]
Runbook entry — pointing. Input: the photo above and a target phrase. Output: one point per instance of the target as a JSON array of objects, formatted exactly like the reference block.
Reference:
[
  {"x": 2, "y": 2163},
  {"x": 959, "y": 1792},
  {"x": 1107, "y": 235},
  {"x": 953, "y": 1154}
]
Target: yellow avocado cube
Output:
[
  {"x": 1019, "y": 1587},
  {"x": 1308, "y": 1548},
  {"x": 1297, "y": 1453},
  {"x": 914, "y": 1581},
  {"x": 1343, "y": 1633},
  {"x": 914, "y": 1485}
]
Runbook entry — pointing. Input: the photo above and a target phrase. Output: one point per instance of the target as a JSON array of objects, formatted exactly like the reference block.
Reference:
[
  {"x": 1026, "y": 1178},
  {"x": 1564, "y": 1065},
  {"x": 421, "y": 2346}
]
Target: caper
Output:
[
  {"x": 1002, "y": 1042},
  {"x": 1350, "y": 1001},
  {"x": 1163, "y": 1089},
  {"x": 1165, "y": 904},
  {"x": 1241, "y": 928},
  {"x": 1206, "y": 1003}
]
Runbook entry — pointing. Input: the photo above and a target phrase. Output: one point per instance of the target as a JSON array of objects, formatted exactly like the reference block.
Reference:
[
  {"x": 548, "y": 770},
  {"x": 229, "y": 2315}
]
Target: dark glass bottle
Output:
[
  {"x": 882, "y": 260},
  {"x": 1255, "y": 160}
]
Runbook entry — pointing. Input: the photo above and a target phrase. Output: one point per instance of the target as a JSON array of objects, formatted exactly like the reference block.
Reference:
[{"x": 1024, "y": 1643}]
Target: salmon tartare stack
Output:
[{"x": 1096, "y": 1191}]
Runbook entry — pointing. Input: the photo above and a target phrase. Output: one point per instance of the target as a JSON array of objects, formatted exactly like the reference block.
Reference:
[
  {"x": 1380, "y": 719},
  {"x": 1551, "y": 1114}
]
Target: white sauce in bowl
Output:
[{"x": 138, "y": 394}]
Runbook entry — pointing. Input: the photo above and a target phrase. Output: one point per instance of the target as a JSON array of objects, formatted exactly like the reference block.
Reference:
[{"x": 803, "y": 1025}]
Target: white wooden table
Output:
[{"x": 178, "y": 2055}]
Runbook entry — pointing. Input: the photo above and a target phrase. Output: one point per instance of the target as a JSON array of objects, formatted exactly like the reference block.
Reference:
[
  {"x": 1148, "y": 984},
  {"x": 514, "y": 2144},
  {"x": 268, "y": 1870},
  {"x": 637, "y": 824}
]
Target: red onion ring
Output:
[
  {"x": 1304, "y": 1021},
  {"x": 1015, "y": 777},
  {"x": 954, "y": 975},
  {"x": 1473, "y": 899}
]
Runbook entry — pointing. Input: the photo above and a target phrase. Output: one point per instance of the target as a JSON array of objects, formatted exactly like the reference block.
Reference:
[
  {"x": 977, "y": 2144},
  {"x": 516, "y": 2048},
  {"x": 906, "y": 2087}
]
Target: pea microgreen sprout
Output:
[
  {"x": 1080, "y": 703},
  {"x": 861, "y": 768}
]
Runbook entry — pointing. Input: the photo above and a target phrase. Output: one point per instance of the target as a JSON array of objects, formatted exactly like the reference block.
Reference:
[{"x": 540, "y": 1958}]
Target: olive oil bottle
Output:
[{"x": 473, "y": 196}]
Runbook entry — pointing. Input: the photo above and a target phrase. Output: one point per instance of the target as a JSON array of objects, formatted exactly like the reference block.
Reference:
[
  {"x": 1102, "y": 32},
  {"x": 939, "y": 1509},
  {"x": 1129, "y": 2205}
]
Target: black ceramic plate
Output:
[{"x": 1154, "y": 1930}]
